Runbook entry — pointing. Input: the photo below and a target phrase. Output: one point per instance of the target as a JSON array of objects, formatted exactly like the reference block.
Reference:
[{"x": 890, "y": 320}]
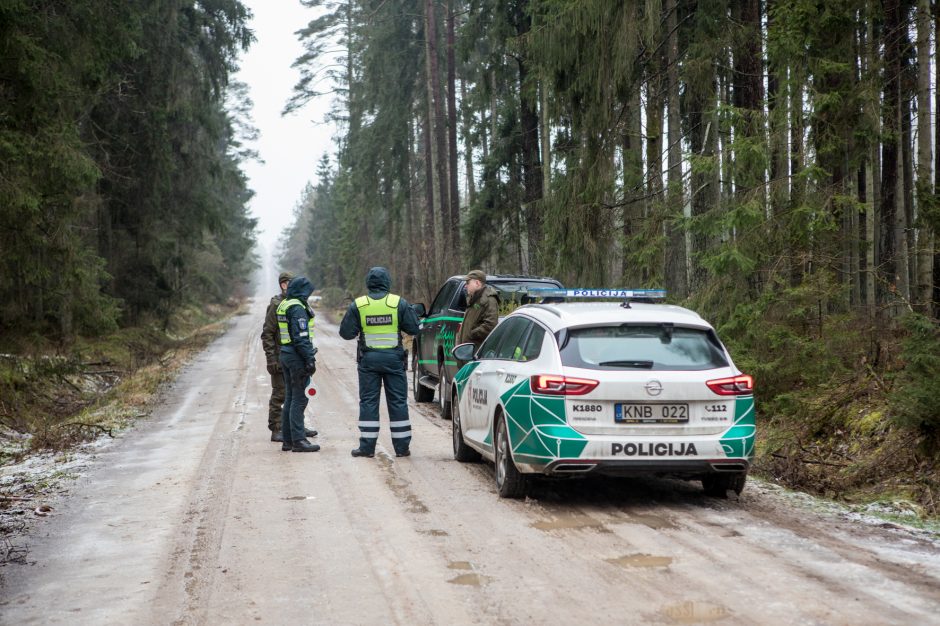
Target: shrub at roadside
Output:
[{"x": 915, "y": 399}]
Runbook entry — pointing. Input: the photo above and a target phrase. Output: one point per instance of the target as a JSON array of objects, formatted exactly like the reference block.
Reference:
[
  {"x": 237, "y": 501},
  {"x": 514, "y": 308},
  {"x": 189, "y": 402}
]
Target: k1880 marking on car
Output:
[{"x": 624, "y": 389}]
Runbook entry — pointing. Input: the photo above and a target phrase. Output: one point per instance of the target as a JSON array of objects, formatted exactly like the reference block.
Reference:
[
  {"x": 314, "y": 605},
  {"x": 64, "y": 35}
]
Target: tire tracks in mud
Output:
[{"x": 182, "y": 595}]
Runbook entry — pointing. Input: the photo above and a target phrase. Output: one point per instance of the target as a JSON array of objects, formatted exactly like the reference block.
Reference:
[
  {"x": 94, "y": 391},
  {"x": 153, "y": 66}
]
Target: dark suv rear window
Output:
[{"x": 641, "y": 347}]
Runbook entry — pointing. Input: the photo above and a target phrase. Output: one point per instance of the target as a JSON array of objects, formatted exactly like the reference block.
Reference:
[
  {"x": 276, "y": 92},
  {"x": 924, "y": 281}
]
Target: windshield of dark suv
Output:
[{"x": 641, "y": 347}]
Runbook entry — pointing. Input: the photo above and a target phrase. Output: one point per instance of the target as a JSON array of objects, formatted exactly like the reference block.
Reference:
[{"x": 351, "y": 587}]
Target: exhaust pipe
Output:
[{"x": 573, "y": 468}]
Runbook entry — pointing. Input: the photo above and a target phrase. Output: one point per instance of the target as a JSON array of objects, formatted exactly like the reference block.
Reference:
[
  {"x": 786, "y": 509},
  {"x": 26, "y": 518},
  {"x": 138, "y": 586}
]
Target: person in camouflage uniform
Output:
[{"x": 272, "y": 349}]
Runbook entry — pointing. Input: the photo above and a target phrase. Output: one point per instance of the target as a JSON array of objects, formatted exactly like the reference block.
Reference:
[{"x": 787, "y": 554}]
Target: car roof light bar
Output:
[{"x": 600, "y": 294}]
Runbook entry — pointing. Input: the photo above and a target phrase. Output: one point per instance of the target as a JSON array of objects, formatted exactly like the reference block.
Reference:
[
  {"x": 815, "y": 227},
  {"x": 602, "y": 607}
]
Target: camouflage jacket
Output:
[
  {"x": 269, "y": 333},
  {"x": 480, "y": 318}
]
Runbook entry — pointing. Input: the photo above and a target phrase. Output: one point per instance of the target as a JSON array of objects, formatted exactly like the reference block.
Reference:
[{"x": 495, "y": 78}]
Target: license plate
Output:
[{"x": 646, "y": 413}]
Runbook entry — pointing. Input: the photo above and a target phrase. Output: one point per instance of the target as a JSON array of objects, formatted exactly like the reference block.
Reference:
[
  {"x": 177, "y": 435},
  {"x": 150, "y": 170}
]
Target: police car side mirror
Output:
[
  {"x": 420, "y": 310},
  {"x": 464, "y": 352}
]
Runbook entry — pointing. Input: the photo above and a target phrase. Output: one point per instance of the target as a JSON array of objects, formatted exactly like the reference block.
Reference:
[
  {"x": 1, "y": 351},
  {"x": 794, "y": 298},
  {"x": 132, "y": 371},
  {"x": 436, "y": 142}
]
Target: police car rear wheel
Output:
[
  {"x": 718, "y": 485},
  {"x": 443, "y": 393},
  {"x": 510, "y": 483},
  {"x": 462, "y": 452}
]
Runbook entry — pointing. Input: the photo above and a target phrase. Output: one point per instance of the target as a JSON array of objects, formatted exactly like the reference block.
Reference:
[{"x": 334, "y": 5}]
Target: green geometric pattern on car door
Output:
[
  {"x": 738, "y": 441},
  {"x": 538, "y": 430},
  {"x": 463, "y": 374}
]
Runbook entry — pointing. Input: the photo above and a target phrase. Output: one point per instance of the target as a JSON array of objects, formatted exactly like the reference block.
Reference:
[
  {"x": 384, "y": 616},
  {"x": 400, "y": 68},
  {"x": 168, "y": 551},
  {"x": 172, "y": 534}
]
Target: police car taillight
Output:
[
  {"x": 734, "y": 386},
  {"x": 551, "y": 385}
]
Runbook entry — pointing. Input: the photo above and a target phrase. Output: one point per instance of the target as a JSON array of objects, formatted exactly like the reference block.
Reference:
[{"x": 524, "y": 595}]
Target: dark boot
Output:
[
  {"x": 303, "y": 445},
  {"x": 310, "y": 433},
  {"x": 287, "y": 446},
  {"x": 276, "y": 435},
  {"x": 361, "y": 452}
]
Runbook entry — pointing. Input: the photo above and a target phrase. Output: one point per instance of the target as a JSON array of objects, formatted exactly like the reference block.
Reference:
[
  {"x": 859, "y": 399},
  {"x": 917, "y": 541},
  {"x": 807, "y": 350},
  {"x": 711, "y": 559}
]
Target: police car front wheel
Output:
[{"x": 462, "y": 452}]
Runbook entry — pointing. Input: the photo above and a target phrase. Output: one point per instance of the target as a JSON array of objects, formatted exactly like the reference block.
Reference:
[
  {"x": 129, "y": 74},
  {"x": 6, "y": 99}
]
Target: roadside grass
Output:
[
  {"x": 96, "y": 386},
  {"x": 57, "y": 405}
]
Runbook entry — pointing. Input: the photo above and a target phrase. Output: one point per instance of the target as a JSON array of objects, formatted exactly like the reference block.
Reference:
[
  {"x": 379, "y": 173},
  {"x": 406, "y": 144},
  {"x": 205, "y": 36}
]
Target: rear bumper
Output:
[{"x": 692, "y": 468}]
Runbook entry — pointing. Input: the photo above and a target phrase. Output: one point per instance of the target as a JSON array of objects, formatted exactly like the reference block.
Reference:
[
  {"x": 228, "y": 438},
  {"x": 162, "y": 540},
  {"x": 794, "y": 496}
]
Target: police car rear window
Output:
[{"x": 654, "y": 347}]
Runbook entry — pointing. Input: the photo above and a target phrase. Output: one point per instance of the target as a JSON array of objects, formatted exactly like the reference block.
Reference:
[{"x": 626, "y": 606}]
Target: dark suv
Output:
[{"x": 432, "y": 363}]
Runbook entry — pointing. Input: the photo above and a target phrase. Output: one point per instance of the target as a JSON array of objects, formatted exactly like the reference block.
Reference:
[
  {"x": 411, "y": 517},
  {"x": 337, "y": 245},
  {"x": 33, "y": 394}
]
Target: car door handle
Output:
[{"x": 500, "y": 372}]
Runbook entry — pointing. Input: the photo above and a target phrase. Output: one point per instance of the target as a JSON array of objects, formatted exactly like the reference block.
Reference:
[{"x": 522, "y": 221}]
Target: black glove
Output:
[
  {"x": 274, "y": 368},
  {"x": 311, "y": 368}
]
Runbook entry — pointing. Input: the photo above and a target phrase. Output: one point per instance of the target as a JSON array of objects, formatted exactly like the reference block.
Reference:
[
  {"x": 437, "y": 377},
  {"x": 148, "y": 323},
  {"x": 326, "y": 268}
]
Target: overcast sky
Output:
[{"x": 290, "y": 146}]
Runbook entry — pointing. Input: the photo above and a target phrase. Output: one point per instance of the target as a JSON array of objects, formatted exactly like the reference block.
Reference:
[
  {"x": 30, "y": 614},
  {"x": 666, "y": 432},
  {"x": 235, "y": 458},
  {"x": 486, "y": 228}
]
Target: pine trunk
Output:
[
  {"x": 890, "y": 128},
  {"x": 924, "y": 291},
  {"x": 452, "y": 136},
  {"x": 633, "y": 209},
  {"x": 529, "y": 145},
  {"x": 467, "y": 125},
  {"x": 448, "y": 230},
  {"x": 676, "y": 258}
]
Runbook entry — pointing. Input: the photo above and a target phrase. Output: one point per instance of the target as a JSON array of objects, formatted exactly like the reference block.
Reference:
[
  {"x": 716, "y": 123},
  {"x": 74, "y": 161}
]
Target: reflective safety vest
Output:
[
  {"x": 282, "y": 320},
  {"x": 379, "y": 321}
]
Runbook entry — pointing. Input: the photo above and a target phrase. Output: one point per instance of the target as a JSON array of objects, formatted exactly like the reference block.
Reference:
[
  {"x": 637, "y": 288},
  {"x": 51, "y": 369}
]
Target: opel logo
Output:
[{"x": 654, "y": 387}]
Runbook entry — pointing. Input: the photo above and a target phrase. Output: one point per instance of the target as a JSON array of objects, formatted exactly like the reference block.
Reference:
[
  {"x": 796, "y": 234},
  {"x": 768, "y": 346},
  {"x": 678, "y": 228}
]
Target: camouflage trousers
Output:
[{"x": 278, "y": 392}]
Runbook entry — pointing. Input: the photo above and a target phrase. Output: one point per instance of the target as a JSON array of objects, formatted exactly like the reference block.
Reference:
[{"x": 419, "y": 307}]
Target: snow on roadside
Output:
[{"x": 31, "y": 488}]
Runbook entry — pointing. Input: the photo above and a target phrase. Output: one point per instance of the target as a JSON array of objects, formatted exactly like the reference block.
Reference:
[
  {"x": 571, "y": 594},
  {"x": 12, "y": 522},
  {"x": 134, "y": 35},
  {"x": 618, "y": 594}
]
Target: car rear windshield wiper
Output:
[{"x": 637, "y": 364}]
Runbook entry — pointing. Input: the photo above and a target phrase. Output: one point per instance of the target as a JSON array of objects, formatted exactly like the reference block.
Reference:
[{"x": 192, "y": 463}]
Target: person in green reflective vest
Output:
[
  {"x": 298, "y": 362},
  {"x": 270, "y": 341},
  {"x": 377, "y": 320}
]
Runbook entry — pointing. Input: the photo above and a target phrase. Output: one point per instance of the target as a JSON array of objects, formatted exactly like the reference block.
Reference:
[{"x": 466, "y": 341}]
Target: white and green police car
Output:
[{"x": 621, "y": 388}]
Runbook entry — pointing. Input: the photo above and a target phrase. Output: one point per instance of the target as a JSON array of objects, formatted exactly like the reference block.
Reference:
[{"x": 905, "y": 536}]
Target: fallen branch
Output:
[{"x": 808, "y": 461}]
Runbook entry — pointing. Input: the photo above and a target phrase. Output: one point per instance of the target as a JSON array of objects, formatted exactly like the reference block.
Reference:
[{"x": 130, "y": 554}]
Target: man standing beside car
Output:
[
  {"x": 378, "y": 319},
  {"x": 482, "y": 310}
]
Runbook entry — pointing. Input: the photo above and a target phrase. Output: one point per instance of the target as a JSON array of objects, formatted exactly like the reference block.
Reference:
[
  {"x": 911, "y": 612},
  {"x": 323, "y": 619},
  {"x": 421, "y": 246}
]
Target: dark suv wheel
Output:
[{"x": 421, "y": 393}]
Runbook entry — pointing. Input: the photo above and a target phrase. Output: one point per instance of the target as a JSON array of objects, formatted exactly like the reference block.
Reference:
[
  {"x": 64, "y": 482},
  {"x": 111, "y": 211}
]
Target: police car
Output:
[{"x": 624, "y": 388}]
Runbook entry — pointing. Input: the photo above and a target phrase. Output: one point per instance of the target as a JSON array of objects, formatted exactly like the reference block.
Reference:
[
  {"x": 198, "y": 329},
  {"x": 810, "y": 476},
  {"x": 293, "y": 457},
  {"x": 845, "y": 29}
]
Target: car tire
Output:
[
  {"x": 421, "y": 393},
  {"x": 462, "y": 452},
  {"x": 510, "y": 482},
  {"x": 718, "y": 485},
  {"x": 443, "y": 392}
]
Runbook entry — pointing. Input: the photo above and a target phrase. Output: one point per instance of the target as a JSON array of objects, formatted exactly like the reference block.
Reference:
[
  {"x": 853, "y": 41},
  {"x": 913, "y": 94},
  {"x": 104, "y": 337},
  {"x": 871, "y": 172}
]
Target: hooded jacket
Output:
[
  {"x": 378, "y": 284},
  {"x": 298, "y": 321},
  {"x": 481, "y": 317},
  {"x": 269, "y": 332}
]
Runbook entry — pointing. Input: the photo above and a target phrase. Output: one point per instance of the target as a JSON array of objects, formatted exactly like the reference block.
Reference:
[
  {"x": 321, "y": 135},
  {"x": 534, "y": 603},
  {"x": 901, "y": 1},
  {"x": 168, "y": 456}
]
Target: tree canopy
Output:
[{"x": 121, "y": 191}]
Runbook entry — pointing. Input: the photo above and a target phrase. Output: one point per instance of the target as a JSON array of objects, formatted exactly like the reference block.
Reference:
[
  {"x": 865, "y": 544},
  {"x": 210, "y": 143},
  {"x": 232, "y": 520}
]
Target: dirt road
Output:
[{"x": 195, "y": 517}]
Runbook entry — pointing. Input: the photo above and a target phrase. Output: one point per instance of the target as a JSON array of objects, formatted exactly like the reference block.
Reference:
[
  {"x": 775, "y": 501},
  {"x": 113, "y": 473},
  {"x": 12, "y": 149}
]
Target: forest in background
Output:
[
  {"x": 771, "y": 163},
  {"x": 121, "y": 196}
]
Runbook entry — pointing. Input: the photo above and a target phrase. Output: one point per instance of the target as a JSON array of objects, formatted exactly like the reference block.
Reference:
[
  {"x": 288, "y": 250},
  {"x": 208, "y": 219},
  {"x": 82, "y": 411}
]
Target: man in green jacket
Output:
[{"x": 482, "y": 310}]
